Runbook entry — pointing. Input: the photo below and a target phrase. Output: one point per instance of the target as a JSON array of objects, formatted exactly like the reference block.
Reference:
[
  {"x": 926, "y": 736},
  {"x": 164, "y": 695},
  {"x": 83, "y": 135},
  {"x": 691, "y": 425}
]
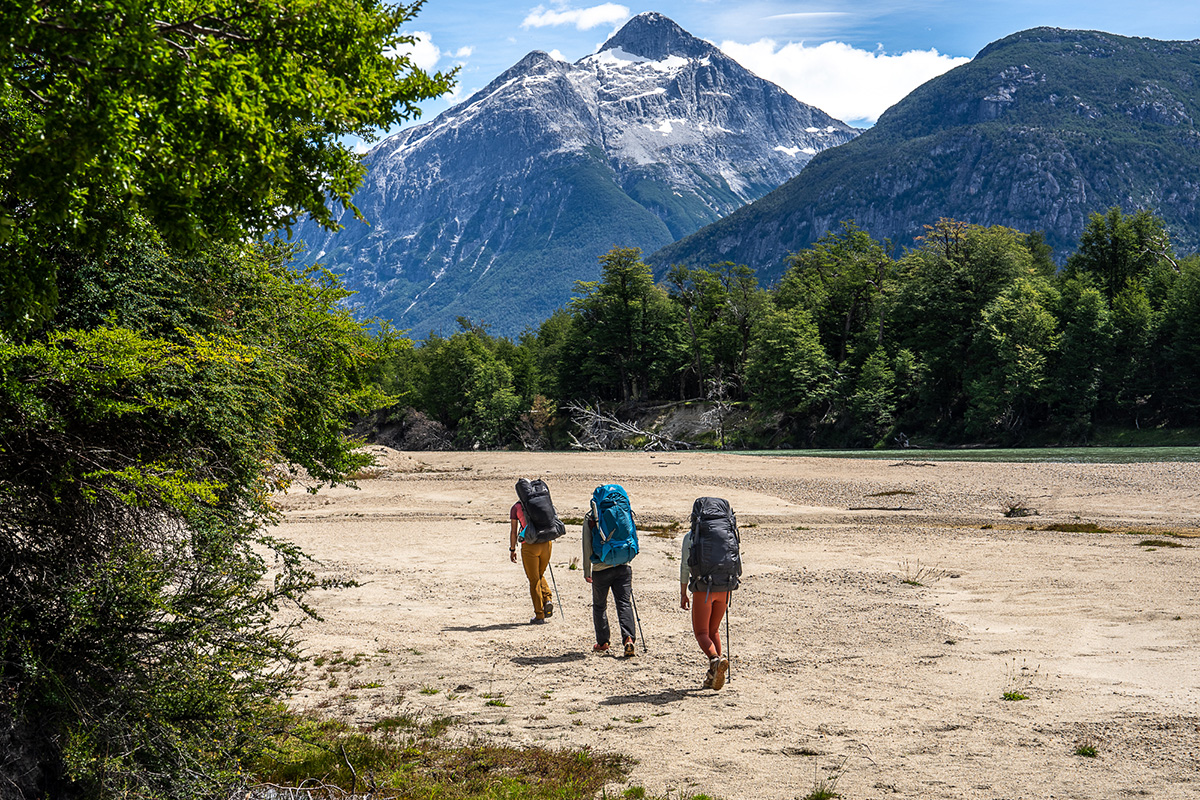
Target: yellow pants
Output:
[{"x": 535, "y": 558}]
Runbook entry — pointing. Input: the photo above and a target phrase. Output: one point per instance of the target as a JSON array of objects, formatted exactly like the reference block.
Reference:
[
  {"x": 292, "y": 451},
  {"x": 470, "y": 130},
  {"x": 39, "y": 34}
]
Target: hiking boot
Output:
[
  {"x": 630, "y": 652},
  {"x": 599, "y": 647},
  {"x": 719, "y": 675},
  {"x": 549, "y": 607},
  {"x": 712, "y": 670},
  {"x": 537, "y": 621}
]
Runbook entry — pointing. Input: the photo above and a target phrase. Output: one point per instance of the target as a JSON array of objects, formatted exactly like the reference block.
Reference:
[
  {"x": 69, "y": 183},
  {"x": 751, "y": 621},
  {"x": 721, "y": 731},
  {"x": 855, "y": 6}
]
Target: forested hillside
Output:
[
  {"x": 972, "y": 336},
  {"x": 1039, "y": 131}
]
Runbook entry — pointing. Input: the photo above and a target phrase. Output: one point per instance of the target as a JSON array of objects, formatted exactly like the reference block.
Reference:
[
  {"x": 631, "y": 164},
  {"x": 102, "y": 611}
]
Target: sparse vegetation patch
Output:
[{"x": 401, "y": 757}]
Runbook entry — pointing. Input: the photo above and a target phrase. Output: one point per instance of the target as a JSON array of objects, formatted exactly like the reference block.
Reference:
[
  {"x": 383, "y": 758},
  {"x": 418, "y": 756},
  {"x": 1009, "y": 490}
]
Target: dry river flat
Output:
[{"x": 887, "y": 607}]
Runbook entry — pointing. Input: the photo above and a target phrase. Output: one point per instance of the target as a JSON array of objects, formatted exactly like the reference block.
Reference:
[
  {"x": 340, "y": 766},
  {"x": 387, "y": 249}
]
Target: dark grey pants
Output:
[{"x": 620, "y": 580}]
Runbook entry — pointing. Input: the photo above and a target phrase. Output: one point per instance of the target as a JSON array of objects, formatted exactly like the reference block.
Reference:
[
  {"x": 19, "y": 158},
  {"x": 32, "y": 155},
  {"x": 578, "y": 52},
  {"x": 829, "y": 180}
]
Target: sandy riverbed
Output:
[{"x": 841, "y": 670}]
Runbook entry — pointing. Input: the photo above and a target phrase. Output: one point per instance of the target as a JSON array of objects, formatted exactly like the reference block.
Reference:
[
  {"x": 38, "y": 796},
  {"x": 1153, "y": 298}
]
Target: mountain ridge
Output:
[
  {"x": 1043, "y": 128},
  {"x": 496, "y": 207}
]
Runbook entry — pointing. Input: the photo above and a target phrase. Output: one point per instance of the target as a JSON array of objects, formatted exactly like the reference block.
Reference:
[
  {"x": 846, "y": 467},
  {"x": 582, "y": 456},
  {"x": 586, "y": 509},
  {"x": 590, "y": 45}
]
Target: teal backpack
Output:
[{"x": 614, "y": 536}]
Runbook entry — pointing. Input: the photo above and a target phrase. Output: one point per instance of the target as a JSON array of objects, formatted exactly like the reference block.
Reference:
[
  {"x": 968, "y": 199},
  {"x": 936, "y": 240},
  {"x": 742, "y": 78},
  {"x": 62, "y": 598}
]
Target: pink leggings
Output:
[{"x": 707, "y": 610}]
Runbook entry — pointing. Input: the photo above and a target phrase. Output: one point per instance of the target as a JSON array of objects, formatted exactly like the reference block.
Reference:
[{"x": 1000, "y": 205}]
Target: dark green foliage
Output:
[
  {"x": 625, "y": 341},
  {"x": 1180, "y": 335},
  {"x": 841, "y": 280},
  {"x": 720, "y": 305},
  {"x": 966, "y": 338},
  {"x": 787, "y": 368},
  {"x": 469, "y": 387},
  {"x": 163, "y": 373},
  {"x": 137, "y": 630}
]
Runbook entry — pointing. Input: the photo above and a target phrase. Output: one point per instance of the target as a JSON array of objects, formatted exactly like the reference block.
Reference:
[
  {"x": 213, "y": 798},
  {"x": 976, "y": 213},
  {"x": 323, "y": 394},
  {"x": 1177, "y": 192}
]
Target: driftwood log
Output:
[{"x": 599, "y": 430}]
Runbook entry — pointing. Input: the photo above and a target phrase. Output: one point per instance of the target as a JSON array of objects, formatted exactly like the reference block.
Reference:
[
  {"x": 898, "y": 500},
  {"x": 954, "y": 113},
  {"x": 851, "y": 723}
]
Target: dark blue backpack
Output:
[{"x": 614, "y": 537}]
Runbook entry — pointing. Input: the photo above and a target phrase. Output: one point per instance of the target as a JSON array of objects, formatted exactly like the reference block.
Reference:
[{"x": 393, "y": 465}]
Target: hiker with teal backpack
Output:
[
  {"x": 710, "y": 566},
  {"x": 609, "y": 545}
]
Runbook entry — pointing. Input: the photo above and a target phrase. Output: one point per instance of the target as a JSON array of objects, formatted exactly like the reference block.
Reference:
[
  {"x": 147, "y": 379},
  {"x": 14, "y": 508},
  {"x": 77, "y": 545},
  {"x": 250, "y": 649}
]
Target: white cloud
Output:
[
  {"x": 582, "y": 18},
  {"x": 426, "y": 55},
  {"x": 850, "y": 84},
  {"x": 557, "y": 55}
]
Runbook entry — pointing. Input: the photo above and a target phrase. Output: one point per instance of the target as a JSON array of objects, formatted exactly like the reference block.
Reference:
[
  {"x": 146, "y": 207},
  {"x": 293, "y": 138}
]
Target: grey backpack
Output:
[{"x": 715, "y": 559}]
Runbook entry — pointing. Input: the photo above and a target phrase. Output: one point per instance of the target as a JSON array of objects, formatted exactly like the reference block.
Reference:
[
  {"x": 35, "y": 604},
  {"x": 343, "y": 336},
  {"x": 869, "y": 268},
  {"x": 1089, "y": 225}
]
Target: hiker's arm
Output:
[
  {"x": 587, "y": 547},
  {"x": 683, "y": 597},
  {"x": 512, "y": 541}
]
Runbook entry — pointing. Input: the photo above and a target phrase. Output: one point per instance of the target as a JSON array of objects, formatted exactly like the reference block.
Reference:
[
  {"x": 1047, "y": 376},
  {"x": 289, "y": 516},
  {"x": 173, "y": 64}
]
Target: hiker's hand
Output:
[
  {"x": 512, "y": 556},
  {"x": 588, "y": 578},
  {"x": 684, "y": 603}
]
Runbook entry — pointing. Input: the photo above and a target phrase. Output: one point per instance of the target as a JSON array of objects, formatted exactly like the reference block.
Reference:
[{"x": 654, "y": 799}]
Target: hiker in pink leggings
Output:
[{"x": 708, "y": 609}]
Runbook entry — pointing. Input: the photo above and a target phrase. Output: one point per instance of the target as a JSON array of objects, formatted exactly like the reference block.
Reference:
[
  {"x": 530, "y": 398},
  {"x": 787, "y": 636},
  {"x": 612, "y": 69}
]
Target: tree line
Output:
[{"x": 972, "y": 335}]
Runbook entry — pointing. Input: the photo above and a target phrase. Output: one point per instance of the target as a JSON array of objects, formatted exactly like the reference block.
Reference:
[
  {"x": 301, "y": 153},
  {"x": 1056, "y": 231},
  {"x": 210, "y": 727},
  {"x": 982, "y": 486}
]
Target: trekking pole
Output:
[
  {"x": 556, "y": 596},
  {"x": 727, "y": 648},
  {"x": 641, "y": 633}
]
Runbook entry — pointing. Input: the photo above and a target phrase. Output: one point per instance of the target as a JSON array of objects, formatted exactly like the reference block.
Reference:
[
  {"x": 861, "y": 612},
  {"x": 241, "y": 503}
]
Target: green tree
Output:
[
  {"x": 625, "y": 342},
  {"x": 547, "y": 346},
  {"x": 161, "y": 376},
  {"x": 873, "y": 404},
  {"x": 1010, "y": 359},
  {"x": 1117, "y": 248},
  {"x": 942, "y": 289},
  {"x": 1181, "y": 346},
  {"x": 1079, "y": 372},
  {"x": 841, "y": 280},
  {"x": 1129, "y": 372},
  {"x": 140, "y": 651},
  {"x": 210, "y": 119},
  {"x": 469, "y": 389},
  {"x": 788, "y": 368},
  {"x": 719, "y": 305}
]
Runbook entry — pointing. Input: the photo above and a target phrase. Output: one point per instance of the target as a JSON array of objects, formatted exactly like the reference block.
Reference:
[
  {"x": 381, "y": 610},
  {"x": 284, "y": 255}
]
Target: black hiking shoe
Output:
[
  {"x": 537, "y": 621},
  {"x": 630, "y": 651},
  {"x": 549, "y": 607}
]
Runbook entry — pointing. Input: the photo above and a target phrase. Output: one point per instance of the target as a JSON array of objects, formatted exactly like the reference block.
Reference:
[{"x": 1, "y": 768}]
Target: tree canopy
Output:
[
  {"x": 972, "y": 335},
  {"x": 211, "y": 120}
]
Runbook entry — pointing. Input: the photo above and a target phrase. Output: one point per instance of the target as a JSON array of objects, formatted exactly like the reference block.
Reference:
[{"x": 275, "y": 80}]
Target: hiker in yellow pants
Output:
[{"x": 535, "y": 558}]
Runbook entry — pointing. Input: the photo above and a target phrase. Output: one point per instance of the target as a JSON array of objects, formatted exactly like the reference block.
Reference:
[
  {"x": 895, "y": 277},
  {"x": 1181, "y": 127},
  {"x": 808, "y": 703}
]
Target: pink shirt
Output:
[{"x": 517, "y": 512}]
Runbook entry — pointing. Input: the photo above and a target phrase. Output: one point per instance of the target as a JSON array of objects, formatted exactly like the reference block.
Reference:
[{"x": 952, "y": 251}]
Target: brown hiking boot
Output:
[
  {"x": 712, "y": 671},
  {"x": 630, "y": 651},
  {"x": 719, "y": 674}
]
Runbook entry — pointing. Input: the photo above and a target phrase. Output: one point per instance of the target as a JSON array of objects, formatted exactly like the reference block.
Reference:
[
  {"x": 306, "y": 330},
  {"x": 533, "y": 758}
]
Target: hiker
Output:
[
  {"x": 533, "y": 522},
  {"x": 710, "y": 567},
  {"x": 609, "y": 544}
]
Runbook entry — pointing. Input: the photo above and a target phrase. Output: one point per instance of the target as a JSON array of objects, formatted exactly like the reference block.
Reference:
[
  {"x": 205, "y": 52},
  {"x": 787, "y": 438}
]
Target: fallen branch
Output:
[{"x": 601, "y": 431}]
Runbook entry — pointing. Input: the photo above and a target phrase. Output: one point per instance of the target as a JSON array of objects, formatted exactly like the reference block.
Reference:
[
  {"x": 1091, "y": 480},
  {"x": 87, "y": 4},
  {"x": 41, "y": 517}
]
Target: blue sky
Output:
[{"x": 852, "y": 59}]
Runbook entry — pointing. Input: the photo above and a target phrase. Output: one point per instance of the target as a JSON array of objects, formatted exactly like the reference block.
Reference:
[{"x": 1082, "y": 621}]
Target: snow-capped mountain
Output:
[{"x": 496, "y": 207}]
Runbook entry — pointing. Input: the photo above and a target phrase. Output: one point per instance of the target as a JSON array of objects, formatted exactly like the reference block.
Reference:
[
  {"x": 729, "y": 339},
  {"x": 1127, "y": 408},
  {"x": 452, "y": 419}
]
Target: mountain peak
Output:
[{"x": 653, "y": 36}]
